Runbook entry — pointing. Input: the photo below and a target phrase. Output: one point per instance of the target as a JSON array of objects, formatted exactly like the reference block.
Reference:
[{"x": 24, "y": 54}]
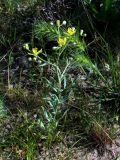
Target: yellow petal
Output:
[
  {"x": 70, "y": 31},
  {"x": 62, "y": 41},
  {"x": 35, "y": 51}
]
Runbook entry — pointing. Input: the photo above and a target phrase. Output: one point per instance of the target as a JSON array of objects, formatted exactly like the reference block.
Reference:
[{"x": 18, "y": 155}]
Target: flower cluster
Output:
[
  {"x": 62, "y": 39},
  {"x": 70, "y": 32}
]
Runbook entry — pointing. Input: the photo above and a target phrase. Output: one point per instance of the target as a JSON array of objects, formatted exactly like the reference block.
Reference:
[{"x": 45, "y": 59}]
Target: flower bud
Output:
[
  {"x": 74, "y": 43},
  {"x": 51, "y": 23},
  {"x": 58, "y": 23},
  {"x": 64, "y": 22},
  {"x": 39, "y": 61},
  {"x": 81, "y": 32},
  {"x": 35, "y": 58},
  {"x": 54, "y": 47},
  {"x": 29, "y": 59},
  {"x": 26, "y": 46}
]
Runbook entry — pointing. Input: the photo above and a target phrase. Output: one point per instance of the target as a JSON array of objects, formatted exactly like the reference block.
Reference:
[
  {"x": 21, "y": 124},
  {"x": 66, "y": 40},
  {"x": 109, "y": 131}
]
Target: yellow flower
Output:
[
  {"x": 62, "y": 41},
  {"x": 70, "y": 31},
  {"x": 35, "y": 51}
]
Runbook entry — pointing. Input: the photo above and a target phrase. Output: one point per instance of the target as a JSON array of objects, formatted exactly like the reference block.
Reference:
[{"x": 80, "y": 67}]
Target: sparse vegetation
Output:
[{"x": 59, "y": 80}]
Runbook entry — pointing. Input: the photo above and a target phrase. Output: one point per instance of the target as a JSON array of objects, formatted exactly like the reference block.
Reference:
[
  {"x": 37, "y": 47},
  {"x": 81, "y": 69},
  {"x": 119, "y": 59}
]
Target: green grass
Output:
[
  {"x": 60, "y": 93},
  {"x": 3, "y": 111}
]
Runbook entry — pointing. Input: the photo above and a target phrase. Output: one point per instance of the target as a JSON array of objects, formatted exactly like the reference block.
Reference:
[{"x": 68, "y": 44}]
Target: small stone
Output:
[
  {"x": 117, "y": 142},
  {"x": 8, "y": 126}
]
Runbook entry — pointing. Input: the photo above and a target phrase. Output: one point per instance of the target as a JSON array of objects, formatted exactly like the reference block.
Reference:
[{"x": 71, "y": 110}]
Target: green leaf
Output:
[
  {"x": 118, "y": 158},
  {"x": 107, "y": 4}
]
